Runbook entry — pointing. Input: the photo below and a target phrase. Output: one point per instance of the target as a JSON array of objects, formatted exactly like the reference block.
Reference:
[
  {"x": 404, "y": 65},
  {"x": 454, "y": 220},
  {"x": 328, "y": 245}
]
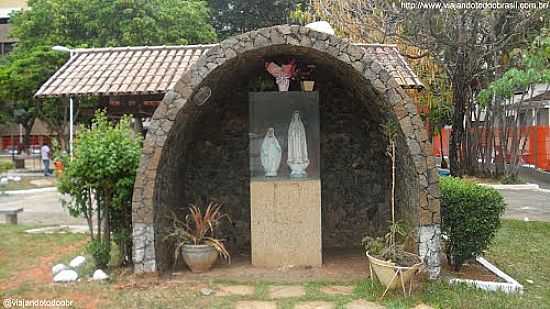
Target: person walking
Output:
[{"x": 45, "y": 152}]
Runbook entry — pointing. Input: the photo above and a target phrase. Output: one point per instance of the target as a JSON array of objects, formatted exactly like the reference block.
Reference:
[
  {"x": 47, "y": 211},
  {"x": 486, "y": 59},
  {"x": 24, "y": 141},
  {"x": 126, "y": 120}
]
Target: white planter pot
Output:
[{"x": 391, "y": 275}]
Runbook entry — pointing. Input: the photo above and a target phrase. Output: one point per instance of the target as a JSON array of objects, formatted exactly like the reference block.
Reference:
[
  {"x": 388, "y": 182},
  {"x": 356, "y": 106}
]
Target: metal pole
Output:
[{"x": 71, "y": 125}]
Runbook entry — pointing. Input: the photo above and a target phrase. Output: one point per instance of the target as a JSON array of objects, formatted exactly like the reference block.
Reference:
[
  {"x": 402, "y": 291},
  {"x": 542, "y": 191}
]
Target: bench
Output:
[{"x": 11, "y": 214}]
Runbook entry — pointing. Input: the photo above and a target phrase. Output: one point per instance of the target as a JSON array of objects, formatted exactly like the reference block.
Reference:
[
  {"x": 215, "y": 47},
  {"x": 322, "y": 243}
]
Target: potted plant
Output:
[
  {"x": 195, "y": 237},
  {"x": 282, "y": 73},
  {"x": 304, "y": 76},
  {"x": 393, "y": 266}
]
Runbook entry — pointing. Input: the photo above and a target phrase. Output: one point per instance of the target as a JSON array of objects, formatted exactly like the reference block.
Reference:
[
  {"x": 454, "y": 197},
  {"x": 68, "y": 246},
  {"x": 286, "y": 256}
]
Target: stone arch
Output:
[{"x": 178, "y": 115}]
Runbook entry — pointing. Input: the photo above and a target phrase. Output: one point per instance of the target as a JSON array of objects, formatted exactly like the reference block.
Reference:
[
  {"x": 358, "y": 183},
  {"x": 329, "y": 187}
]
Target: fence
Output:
[{"x": 536, "y": 152}]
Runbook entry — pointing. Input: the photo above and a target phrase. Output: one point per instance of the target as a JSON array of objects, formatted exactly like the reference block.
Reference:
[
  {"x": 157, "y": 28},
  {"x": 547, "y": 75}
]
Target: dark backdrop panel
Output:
[{"x": 274, "y": 110}]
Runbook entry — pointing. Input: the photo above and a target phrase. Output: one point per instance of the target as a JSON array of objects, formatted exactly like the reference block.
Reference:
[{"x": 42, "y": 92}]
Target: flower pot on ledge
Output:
[{"x": 308, "y": 85}]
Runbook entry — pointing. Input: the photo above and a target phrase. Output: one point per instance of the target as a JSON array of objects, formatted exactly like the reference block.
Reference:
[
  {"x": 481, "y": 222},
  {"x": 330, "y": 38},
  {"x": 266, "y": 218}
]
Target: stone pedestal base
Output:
[{"x": 286, "y": 222}]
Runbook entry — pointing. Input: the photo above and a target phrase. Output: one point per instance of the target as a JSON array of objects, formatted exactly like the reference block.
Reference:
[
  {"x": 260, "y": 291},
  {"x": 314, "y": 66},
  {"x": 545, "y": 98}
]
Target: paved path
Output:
[
  {"x": 531, "y": 204},
  {"x": 44, "y": 208},
  {"x": 41, "y": 208}
]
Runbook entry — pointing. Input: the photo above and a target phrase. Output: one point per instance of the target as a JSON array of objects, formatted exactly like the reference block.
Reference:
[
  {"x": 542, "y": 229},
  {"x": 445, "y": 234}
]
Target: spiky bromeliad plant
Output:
[{"x": 199, "y": 229}]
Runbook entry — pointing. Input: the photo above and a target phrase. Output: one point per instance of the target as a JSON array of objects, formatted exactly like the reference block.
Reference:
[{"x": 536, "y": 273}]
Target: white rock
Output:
[
  {"x": 58, "y": 268},
  {"x": 67, "y": 275},
  {"x": 77, "y": 261},
  {"x": 321, "y": 26},
  {"x": 3, "y": 180},
  {"x": 207, "y": 291},
  {"x": 100, "y": 275},
  {"x": 16, "y": 178}
]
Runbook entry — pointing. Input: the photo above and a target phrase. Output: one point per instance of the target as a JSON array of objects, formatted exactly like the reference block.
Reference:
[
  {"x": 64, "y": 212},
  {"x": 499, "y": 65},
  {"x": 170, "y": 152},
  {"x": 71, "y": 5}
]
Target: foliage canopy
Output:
[{"x": 100, "y": 23}]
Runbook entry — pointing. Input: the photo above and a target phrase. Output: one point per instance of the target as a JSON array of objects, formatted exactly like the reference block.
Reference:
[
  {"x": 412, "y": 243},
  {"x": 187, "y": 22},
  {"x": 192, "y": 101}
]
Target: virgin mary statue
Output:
[
  {"x": 270, "y": 153},
  {"x": 297, "y": 147}
]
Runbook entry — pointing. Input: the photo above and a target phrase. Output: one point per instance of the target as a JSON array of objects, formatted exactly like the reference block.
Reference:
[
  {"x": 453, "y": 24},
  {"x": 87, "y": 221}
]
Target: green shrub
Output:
[
  {"x": 104, "y": 164},
  {"x": 470, "y": 218},
  {"x": 100, "y": 252},
  {"x": 6, "y": 166},
  {"x": 512, "y": 180}
]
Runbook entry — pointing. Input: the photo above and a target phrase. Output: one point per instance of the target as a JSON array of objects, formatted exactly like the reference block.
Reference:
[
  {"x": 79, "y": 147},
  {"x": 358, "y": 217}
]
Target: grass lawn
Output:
[{"x": 522, "y": 249}]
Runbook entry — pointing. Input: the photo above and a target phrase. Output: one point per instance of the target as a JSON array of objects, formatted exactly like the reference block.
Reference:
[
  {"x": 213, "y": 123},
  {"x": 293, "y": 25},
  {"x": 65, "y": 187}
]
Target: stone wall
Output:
[
  {"x": 354, "y": 169},
  {"x": 217, "y": 167},
  {"x": 176, "y": 120}
]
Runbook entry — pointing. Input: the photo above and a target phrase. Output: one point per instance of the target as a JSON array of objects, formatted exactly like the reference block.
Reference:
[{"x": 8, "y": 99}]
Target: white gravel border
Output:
[{"x": 529, "y": 186}]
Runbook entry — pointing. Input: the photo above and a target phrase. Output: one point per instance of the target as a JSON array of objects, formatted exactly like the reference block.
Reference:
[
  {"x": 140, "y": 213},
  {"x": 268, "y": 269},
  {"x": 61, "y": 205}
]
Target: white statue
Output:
[
  {"x": 271, "y": 153},
  {"x": 297, "y": 147}
]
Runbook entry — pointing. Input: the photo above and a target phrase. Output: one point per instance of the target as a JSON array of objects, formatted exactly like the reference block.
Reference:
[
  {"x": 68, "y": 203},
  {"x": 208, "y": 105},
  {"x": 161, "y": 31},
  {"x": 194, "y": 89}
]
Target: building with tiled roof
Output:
[{"x": 153, "y": 70}]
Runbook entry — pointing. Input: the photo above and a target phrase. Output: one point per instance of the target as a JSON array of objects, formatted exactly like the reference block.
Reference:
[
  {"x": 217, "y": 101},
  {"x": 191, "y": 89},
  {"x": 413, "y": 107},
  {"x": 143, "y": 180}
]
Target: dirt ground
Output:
[
  {"x": 470, "y": 270},
  {"x": 346, "y": 265},
  {"x": 41, "y": 273}
]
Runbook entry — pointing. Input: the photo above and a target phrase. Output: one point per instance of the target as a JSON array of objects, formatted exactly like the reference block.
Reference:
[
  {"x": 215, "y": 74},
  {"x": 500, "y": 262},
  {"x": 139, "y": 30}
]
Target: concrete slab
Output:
[
  {"x": 337, "y": 290},
  {"x": 253, "y": 304},
  {"x": 315, "y": 305},
  {"x": 43, "y": 182},
  {"x": 286, "y": 291},
  {"x": 363, "y": 304},
  {"x": 41, "y": 208},
  {"x": 231, "y": 290}
]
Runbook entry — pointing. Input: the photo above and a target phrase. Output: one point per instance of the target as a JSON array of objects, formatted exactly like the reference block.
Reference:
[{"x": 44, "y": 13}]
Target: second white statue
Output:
[
  {"x": 297, "y": 147},
  {"x": 270, "y": 154}
]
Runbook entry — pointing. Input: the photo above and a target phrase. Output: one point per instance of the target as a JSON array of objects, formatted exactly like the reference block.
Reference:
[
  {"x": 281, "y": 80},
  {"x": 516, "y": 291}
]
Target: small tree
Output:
[
  {"x": 500, "y": 96},
  {"x": 20, "y": 77},
  {"x": 103, "y": 168}
]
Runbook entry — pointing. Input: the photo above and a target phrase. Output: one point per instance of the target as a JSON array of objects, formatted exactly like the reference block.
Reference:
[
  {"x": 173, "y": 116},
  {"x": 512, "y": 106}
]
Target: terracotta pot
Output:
[
  {"x": 391, "y": 275},
  {"x": 199, "y": 258},
  {"x": 307, "y": 85},
  {"x": 58, "y": 168}
]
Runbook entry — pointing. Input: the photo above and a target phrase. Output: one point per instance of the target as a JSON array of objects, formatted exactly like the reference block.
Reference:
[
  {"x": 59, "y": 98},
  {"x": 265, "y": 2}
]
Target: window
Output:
[{"x": 542, "y": 117}]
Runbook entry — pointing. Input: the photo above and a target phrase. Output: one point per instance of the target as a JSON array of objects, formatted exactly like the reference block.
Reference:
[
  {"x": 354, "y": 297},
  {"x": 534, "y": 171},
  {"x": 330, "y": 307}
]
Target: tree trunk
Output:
[
  {"x": 459, "y": 98},
  {"x": 98, "y": 210},
  {"x": 443, "y": 162},
  {"x": 61, "y": 139},
  {"x": 500, "y": 149},
  {"x": 90, "y": 214},
  {"x": 27, "y": 126},
  {"x": 107, "y": 204}
]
